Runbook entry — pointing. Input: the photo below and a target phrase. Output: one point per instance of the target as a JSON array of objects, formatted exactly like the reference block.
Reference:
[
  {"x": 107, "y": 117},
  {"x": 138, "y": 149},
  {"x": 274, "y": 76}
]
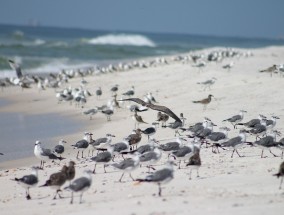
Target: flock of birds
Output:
[{"x": 130, "y": 153}]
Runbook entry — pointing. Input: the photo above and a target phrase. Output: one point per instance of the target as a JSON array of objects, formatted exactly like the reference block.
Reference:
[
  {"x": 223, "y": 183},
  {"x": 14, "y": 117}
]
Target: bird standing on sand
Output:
[
  {"x": 149, "y": 131},
  {"x": 138, "y": 119},
  {"x": 134, "y": 139},
  {"x": 80, "y": 185},
  {"x": 270, "y": 70},
  {"x": 150, "y": 158},
  {"x": 127, "y": 165},
  {"x": 28, "y": 181},
  {"x": 236, "y": 142},
  {"x": 194, "y": 163},
  {"x": 114, "y": 89},
  {"x": 159, "y": 177},
  {"x": 267, "y": 142},
  {"x": 236, "y": 118},
  {"x": 99, "y": 92},
  {"x": 90, "y": 112},
  {"x": 108, "y": 112},
  {"x": 70, "y": 173},
  {"x": 163, "y": 118},
  {"x": 129, "y": 92},
  {"x": 44, "y": 154},
  {"x": 83, "y": 144},
  {"x": 103, "y": 158},
  {"x": 59, "y": 149},
  {"x": 280, "y": 174},
  {"x": 207, "y": 84},
  {"x": 205, "y": 102},
  {"x": 56, "y": 180}
]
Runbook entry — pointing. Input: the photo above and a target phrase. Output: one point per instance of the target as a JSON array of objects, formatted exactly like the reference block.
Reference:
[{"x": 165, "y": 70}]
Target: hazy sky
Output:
[{"x": 249, "y": 18}]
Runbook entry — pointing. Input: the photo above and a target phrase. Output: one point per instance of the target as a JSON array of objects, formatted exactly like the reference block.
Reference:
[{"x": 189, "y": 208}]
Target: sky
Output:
[{"x": 245, "y": 18}]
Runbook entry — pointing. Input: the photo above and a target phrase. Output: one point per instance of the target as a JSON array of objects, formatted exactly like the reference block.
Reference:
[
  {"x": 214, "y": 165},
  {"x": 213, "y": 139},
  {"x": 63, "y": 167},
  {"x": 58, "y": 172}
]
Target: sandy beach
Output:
[{"x": 226, "y": 185}]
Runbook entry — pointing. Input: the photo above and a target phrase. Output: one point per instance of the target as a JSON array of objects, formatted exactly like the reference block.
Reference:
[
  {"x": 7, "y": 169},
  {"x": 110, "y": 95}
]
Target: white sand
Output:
[{"x": 226, "y": 186}]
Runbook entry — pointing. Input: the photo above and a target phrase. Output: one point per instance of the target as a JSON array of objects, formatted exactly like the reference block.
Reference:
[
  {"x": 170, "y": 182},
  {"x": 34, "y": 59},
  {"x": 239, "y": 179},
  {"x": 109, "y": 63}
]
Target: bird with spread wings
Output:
[{"x": 155, "y": 107}]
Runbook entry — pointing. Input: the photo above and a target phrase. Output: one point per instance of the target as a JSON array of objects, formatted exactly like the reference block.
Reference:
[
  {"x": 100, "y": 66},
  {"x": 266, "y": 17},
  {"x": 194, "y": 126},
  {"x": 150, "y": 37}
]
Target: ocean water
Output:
[
  {"x": 50, "y": 49},
  {"x": 19, "y": 132}
]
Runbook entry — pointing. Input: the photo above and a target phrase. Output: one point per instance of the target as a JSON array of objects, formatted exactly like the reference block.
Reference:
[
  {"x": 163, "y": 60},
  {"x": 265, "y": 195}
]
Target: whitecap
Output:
[{"x": 122, "y": 39}]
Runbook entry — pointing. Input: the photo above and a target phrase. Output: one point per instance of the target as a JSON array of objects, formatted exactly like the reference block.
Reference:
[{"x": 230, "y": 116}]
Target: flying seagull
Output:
[
  {"x": 154, "y": 107},
  {"x": 17, "y": 68}
]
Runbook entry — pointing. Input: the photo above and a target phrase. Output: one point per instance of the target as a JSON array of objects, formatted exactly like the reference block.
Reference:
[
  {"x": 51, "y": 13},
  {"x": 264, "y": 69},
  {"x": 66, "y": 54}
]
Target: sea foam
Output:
[{"x": 122, "y": 39}]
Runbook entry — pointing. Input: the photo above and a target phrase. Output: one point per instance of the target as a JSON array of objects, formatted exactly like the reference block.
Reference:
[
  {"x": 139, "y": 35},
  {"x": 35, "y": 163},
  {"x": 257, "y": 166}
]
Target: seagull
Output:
[
  {"x": 83, "y": 144},
  {"x": 108, "y": 112},
  {"x": 259, "y": 129},
  {"x": 194, "y": 163},
  {"x": 56, "y": 180},
  {"x": 270, "y": 124},
  {"x": 80, "y": 185},
  {"x": 151, "y": 97},
  {"x": 280, "y": 173},
  {"x": 252, "y": 123},
  {"x": 114, "y": 89},
  {"x": 149, "y": 131},
  {"x": 183, "y": 153},
  {"x": 59, "y": 149},
  {"x": 17, "y": 68},
  {"x": 127, "y": 165},
  {"x": 102, "y": 143},
  {"x": 207, "y": 84},
  {"x": 103, "y": 158},
  {"x": 90, "y": 112},
  {"x": 44, "y": 154},
  {"x": 155, "y": 107},
  {"x": 268, "y": 142},
  {"x": 171, "y": 146},
  {"x": 129, "y": 92},
  {"x": 159, "y": 177},
  {"x": 205, "y": 101},
  {"x": 162, "y": 117},
  {"x": 70, "y": 173},
  {"x": 217, "y": 137},
  {"x": 99, "y": 92},
  {"x": 270, "y": 70},
  {"x": 134, "y": 139},
  {"x": 147, "y": 147},
  {"x": 151, "y": 158},
  {"x": 28, "y": 181},
  {"x": 236, "y": 118},
  {"x": 136, "y": 108},
  {"x": 138, "y": 119},
  {"x": 228, "y": 66},
  {"x": 236, "y": 142},
  {"x": 121, "y": 147}
]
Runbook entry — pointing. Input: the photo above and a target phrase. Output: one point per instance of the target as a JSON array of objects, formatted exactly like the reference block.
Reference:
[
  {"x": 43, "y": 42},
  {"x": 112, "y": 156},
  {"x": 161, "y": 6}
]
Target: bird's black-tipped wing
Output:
[
  {"x": 28, "y": 179},
  {"x": 154, "y": 107},
  {"x": 17, "y": 68}
]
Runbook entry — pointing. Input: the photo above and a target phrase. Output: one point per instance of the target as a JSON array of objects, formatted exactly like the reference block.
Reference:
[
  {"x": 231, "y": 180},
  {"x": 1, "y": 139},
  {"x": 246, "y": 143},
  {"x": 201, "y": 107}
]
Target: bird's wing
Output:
[
  {"x": 164, "y": 110},
  {"x": 17, "y": 68},
  {"x": 80, "y": 184},
  {"x": 29, "y": 179},
  {"x": 154, "y": 107},
  {"x": 137, "y": 100}
]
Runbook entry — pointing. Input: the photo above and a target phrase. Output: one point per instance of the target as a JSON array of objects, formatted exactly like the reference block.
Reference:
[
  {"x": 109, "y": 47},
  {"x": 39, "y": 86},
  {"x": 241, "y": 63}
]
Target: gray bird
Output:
[
  {"x": 59, "y": 149},
  {"x": 159, "y": 177},
  {"x": 82, "y": 144},
  {"x": 127, "y": 165},
  {"x": 103, "y": 158},
  {"x": 236, "y": 118},
  {"x": 28, "y": 181},
  {"x": 80, "y": 185}
]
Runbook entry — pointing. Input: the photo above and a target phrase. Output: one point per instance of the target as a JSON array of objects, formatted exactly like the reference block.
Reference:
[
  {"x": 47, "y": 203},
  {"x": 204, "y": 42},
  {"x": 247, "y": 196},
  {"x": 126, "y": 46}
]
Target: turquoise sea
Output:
[{"x": 49, "y": 49}]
